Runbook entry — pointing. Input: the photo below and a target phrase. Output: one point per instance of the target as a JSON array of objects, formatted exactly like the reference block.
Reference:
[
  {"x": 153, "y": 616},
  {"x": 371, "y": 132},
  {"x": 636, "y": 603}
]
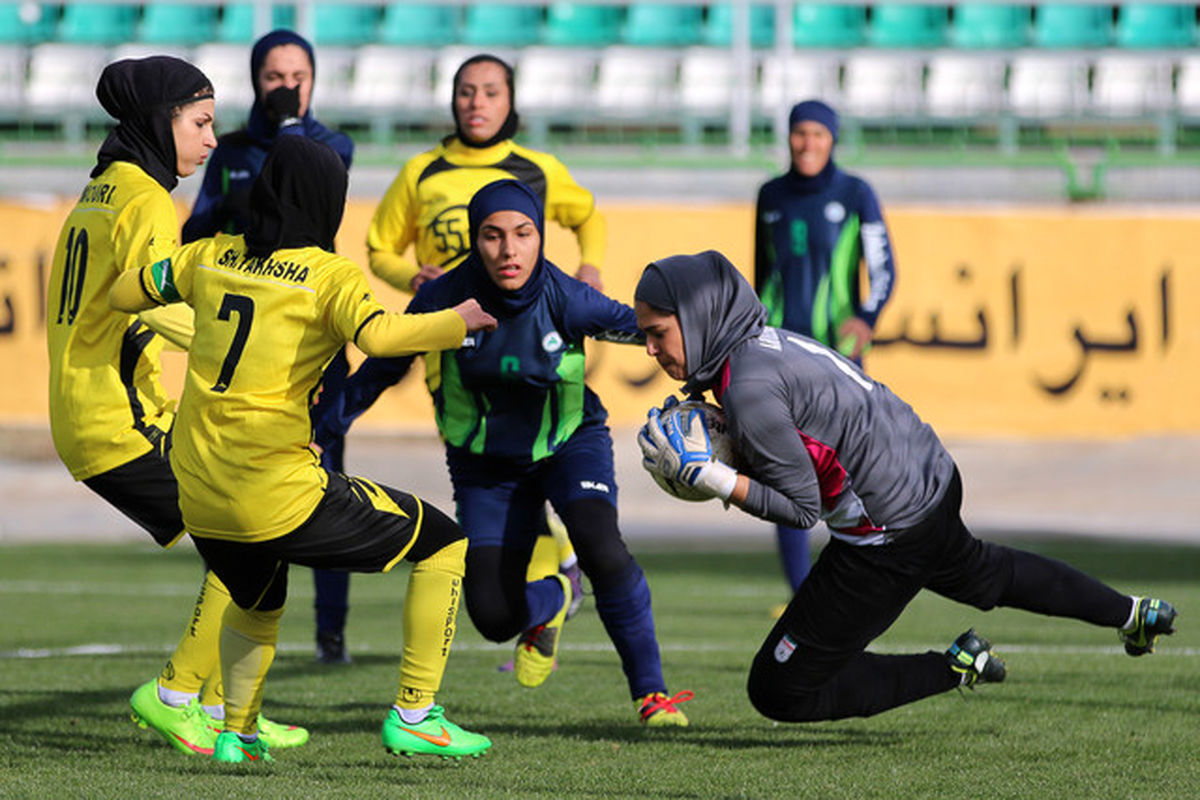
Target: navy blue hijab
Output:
[
  {"x": 505, "y": 195},
  {"x": 823, "y": 114},
  {"x": 260, "y": 126}
]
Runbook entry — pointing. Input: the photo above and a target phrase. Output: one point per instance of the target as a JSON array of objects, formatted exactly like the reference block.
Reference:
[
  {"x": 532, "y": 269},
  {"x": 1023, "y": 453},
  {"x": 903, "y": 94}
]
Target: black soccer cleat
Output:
[
  {"x": 971, "y": 656},
  {"x": 331, "y": 648},
  {"x": 1152, "y": 618}
]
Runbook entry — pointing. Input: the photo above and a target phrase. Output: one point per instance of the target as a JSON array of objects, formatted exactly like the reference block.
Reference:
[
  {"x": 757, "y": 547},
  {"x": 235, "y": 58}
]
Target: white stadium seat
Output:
[
  {"x": 883, "y": 84},
  {"x": 706, "y": 80},
  {"x": 800, "y": 76},
  {"x": 12, "y": 76},
  {"x": 391, "y": 78},
  {"x": 334, "y": 76},
  {"x": 145, "y": 50},
  {"x": 63, "y": 76},
  {"x": 1187, "y": 86},
  {"x": 228, "y": 67},
  {"x": 1047, "y": 85},
  {"x": 637, "y": 81},
  {"x": 555, "y": 78},
  {"x": 1129, "y": 84},
  {"x": 961, "y": 85}
]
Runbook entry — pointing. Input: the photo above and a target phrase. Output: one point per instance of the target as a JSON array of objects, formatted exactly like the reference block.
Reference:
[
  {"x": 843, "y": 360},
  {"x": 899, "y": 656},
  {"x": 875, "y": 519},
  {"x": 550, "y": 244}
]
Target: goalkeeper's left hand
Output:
[{"x": 682, "y": 451}]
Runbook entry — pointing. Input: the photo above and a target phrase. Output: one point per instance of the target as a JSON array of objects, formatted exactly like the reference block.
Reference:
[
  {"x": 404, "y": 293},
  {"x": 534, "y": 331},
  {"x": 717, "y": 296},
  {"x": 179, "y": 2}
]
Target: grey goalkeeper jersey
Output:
[{"x": 820, "y": 440}]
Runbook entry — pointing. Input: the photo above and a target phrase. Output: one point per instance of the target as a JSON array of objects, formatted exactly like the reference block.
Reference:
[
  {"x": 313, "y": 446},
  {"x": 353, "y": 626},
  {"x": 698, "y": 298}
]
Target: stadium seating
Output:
[
  {"x": 1131, "y": 85},
  {"x": 87, "y": 23},
  {"x": 178, "y": 23},
  {"x": 554, "y": 79},
  {"x": 965, "y": 85},
  {"x": 393, "y": 79},
  {"x": 423, "y": 24},
  {"x": 1187, "y": 86},
  {"x": 63, "y": 77},
  {"x": 706, "y": 81},
  {"x": 990, "y": 25},
  {"x": 344, "y": 23},
  {"x": 662, "y": 24},
  {"x": 1156, "y": 25},
  {"x": 12, "y": 77},
  {"x": 334, "y": 77},
  {"x": 801, "y": 76},
  {"x": 718, "y": 26},
  {"x": 582, "y": 24},
  {"x": 29, "y": 23},
  {"x": 503, "y": 24},
  {"x": 1067, "y": 25},
  {"x": 903, "y": 25},
  {"x": 1047, "y": 85},
  {"x": 879, "y": 84},
  {"x": 238, "y": 22},
  {"x": 637, "y": 82},
  {"x": 228, "y": 67},
  {"x": 828, "y": 25}
]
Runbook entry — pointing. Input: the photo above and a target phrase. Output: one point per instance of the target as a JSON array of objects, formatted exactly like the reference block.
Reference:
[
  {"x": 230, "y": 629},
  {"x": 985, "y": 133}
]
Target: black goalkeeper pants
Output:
[{"x": 813, "y": 665}]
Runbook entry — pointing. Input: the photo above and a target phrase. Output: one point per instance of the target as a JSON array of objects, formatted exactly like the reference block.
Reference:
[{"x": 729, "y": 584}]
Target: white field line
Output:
[{"x": 24, "y": 653}]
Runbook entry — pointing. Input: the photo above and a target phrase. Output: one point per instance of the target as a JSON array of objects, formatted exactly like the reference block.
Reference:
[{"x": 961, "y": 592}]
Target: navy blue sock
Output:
[
  {"x": 543, "y": 598},
  {"x": 623, "y": 604},
  {"x": 794, "y": 553},
  {"x": 332, "y": 599}
]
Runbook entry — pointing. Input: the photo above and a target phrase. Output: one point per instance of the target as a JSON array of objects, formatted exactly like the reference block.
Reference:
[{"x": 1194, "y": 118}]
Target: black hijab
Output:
[
  {"x": 298, "y": 199},
  {"x": 140, "y": 93},
  {"x": 509, "y": 128}
]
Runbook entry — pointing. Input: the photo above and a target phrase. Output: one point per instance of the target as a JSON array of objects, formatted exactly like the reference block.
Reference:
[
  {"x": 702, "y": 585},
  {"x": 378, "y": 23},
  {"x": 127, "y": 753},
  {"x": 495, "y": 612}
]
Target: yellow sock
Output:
[
  {"x": 247, "y": 650},
  {"x": 196, "y": 657},
  {"x": 430, "y": 610},
  {"x": 566, "y": 552}
]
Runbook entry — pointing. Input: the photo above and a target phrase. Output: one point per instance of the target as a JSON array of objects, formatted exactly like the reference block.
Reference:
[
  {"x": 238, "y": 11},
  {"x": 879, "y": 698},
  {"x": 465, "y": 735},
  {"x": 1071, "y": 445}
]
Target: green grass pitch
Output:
[{"x": 82, "y": 626}]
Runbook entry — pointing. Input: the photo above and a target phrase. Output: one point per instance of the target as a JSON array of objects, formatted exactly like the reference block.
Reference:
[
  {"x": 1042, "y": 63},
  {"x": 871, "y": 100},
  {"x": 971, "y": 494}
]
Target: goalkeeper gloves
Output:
[{"x": 676, "y": 446}]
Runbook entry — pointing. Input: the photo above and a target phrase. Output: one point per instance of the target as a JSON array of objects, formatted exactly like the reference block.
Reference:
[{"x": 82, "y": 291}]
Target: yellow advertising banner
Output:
[{"x": 1032, "y": 322}]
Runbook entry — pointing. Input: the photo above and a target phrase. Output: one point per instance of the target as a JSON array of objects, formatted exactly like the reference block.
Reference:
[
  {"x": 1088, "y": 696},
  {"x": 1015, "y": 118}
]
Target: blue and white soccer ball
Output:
[{"x": 718, "y": 436}]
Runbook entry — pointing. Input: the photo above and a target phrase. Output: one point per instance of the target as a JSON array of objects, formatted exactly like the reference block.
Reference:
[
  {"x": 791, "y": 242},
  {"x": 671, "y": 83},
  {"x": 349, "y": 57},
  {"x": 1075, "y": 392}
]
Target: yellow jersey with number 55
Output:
[
  {"x": 265, "y": 329},
  {"x": 107, "y": 403}
]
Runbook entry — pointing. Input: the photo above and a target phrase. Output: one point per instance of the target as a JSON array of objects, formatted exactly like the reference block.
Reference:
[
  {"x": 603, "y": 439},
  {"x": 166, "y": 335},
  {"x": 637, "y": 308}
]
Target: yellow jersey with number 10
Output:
[{"x": 107, "y": 404}]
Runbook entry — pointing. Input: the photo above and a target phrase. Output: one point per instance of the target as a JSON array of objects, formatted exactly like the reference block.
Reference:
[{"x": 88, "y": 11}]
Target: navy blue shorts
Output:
[{"x": 501, "y": 502}]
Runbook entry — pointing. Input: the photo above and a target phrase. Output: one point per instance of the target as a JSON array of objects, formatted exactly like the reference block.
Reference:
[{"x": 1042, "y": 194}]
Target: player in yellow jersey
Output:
[
  {"x": 109, "y": 414},
  {"x": 425, "y": 209},
  {"x": 272, "y": 307}
]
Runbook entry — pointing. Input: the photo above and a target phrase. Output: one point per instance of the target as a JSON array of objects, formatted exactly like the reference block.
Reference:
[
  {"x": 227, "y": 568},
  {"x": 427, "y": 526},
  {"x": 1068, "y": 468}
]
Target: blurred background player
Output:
[
  {"x": 813, "y": 226},
  {"x": 816, "y": 438},
  {"x": 282, "y": 70},
  {"x": 492, "y": 399},
  {"x": 110, "y": 417},
  {"x": 272, "y": 307},
  {"x": 426, "y": 208}
]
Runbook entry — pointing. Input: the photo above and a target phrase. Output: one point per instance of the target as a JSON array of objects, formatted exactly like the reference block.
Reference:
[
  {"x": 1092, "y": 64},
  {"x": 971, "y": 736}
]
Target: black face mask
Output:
[
  {"x": 298, "y": 199},
  {"x": 509, "y": 128},
  {"x": 141, "y": 94}
]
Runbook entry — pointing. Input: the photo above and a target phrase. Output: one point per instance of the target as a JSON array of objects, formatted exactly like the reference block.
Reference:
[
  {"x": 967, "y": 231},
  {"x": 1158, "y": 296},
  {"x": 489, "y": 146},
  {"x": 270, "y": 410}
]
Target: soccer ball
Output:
[{"x": 718, "y": 436}]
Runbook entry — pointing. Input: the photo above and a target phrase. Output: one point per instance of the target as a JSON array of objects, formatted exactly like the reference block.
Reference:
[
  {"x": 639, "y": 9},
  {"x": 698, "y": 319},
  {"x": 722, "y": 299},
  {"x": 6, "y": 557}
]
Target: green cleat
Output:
[
  {"x": 1153, "y": 617},
  {"x": 279, "y": 735},
  {"x": 971, "y": 656},
  {"x": 185, "y": 728},
  {"x": 533, "y": 660},
  {"x": 435, "y": 736},
  {"x": 230, "y": 749}
]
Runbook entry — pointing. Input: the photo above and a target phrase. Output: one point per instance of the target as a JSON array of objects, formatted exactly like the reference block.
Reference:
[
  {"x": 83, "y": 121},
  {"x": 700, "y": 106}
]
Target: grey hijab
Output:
[{"x": 716, "y": 307}]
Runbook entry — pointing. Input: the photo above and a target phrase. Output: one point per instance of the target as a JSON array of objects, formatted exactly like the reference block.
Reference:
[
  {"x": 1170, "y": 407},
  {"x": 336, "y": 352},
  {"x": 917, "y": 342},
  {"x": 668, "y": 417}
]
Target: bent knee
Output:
[
  {"x": 770, "y": 698},
  {"x": 493, "y": 625}
]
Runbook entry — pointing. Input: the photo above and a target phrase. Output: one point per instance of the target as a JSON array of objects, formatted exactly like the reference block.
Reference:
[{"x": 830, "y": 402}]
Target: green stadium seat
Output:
[
  {"x": 502, "y": 24},
  {"x": 718, "y": 28},
  {"x": 85, "y": 23},
  {"x": 237, "y": 22},
  {"x": 582, "y": 24},
  {"x": 662, "y": 24},
  {"x": 419, "y": 24},
  {"x": 980, "y": 26},
  {"x": 1070, "y": 25},
  {"x": 904, "y": 25},
  {"x": 344, "y": 24},
  {"x": 26, "y": 23},
  {"x": 1156, "y": 25},
  {"x": 178, "y": 23},
  {"x": 828, "y": 25}
]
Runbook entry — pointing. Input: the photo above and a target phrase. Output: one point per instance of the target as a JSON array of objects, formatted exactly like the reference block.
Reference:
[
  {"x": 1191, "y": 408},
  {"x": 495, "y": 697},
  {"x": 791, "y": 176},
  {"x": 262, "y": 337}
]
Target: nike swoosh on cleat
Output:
[
  {"x": 440, "y": 741},
  {"x": 195, "y": 748},
  {"x": 248, "y": 754}
]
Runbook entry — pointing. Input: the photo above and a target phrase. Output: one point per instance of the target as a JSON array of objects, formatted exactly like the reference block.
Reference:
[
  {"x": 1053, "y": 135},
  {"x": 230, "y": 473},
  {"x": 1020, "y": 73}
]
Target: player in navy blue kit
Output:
[
  {"x": 818, "y": 439},
  {"x": 521, "y": 427},
  {"x": 815, "y": 226}
]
